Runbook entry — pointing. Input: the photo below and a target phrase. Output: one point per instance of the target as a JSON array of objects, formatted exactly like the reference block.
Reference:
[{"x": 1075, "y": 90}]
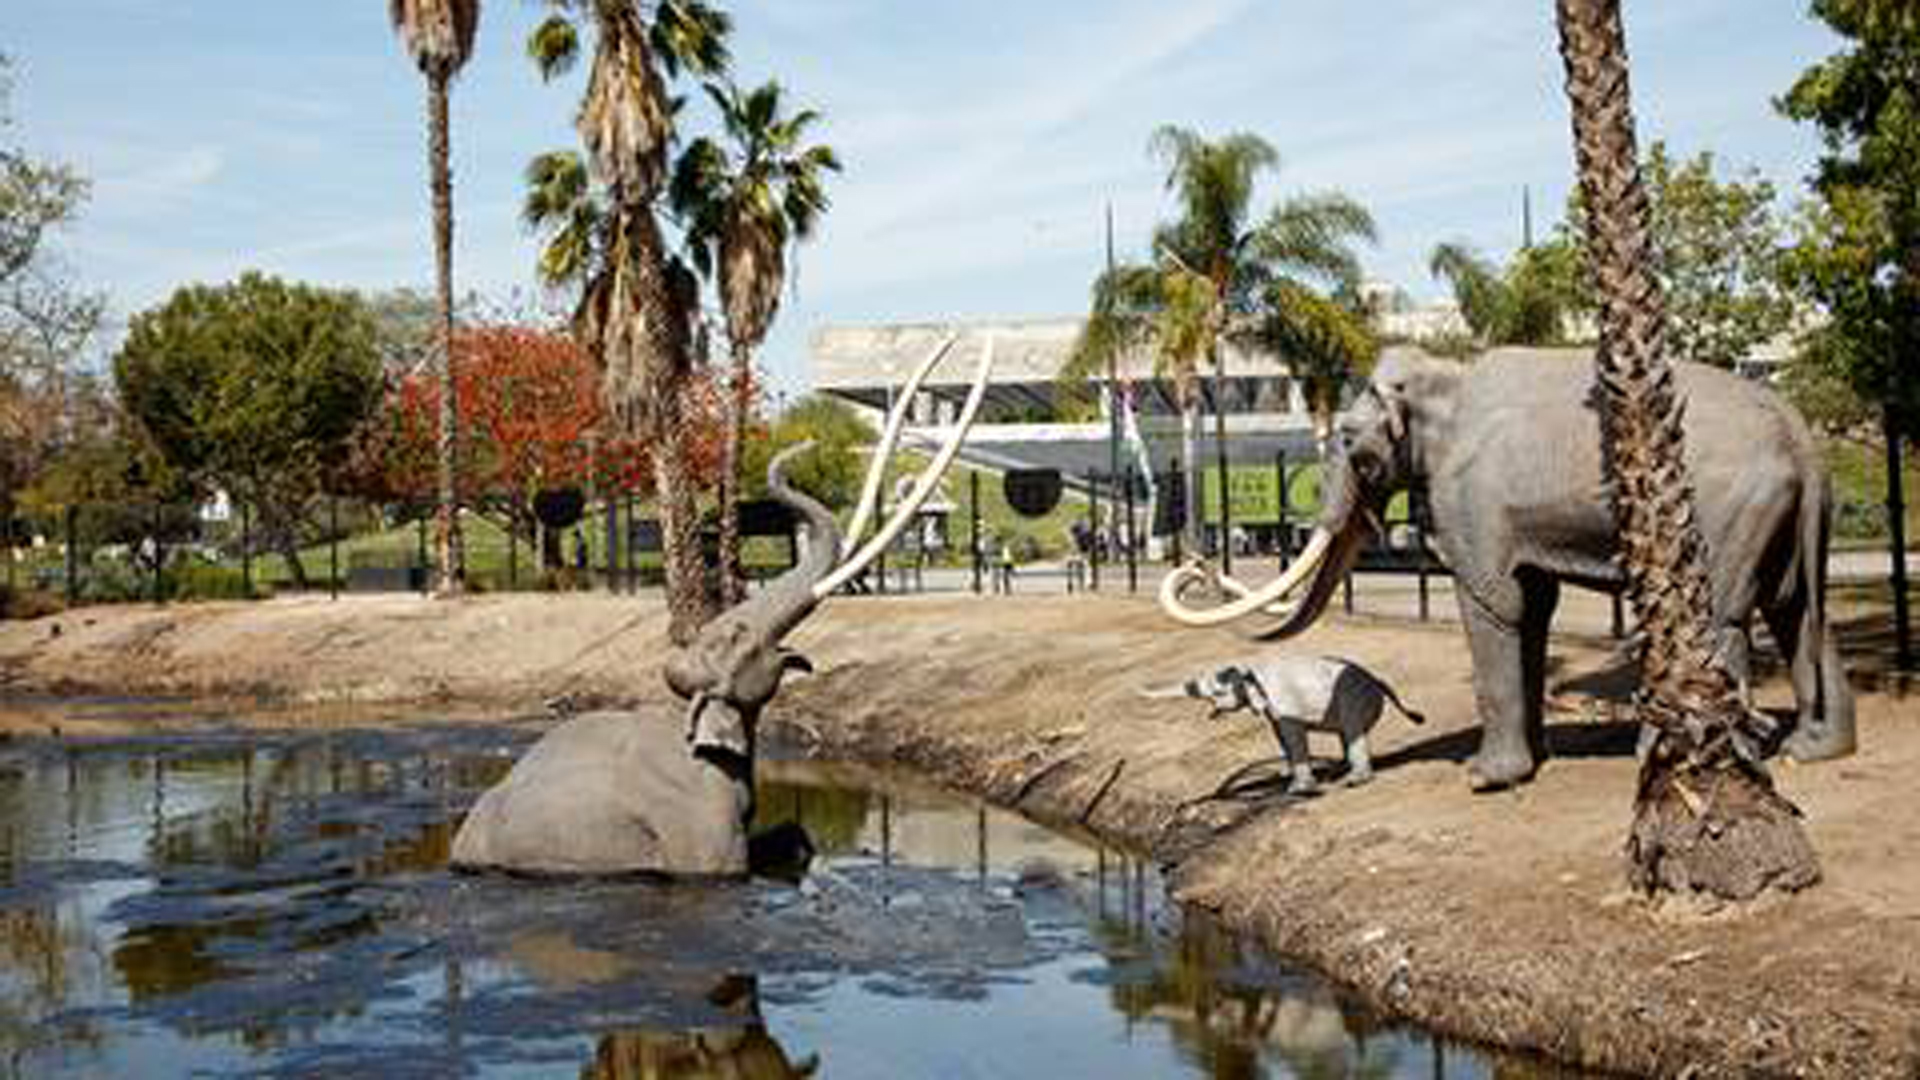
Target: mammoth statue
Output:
[
  {"x": 662, "y": 790},
  {"x": 1509, "y": 452}
]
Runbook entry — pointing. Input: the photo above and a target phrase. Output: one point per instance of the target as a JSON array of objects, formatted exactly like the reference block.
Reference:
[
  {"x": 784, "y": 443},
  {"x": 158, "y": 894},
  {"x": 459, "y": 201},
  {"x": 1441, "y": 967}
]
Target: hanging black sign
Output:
[
  {"x": 1032, "y": 492},
  {"x": 559, "y": 508},
  {"x": 765, "y": 517},
  {"x": 644, "y": 535}
]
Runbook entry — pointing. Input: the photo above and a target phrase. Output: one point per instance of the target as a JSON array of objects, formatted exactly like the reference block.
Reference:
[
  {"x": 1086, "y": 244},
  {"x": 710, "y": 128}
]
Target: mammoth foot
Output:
[
  {"x": 1492, "y": 771},
  {"x": 1819, "y": 742}
]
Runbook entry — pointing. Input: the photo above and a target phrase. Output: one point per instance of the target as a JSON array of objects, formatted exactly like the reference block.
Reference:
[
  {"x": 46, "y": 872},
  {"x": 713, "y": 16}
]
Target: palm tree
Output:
[
  {"x": 638, "y": 306},
  {"x": 1526, "y": 303},
  {"x": 1707, "y": 816},
  {"x": 742, "y": 207},
  {"x": 1216, "y": 273},
  {"x": 439, "y": 35}
]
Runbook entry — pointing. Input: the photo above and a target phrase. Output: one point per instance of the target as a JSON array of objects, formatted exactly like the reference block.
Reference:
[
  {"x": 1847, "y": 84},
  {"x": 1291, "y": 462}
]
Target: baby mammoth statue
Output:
[{"x": 1295, "y": 694}]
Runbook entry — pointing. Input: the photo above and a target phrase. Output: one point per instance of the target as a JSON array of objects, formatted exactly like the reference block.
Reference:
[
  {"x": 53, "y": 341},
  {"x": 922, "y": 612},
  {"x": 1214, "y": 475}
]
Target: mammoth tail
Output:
[
  {"x": 1386, "y": 691},
  {"x": 1816, "y": 515}
]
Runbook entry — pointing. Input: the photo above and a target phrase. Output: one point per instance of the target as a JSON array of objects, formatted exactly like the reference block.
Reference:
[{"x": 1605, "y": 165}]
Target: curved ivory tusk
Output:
[
  {"x": 890, "y": 435},
  {"x": 1245, "y": 603},
  {"x": 1162, "y": 693},
  {"x": 1240, "y": 588},
  {"x": 922, "y": 487}
]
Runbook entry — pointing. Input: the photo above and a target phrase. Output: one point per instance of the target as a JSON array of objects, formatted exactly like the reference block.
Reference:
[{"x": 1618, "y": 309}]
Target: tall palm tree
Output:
[
  {"x": 1216, "y": 272},
  {"x": 638, "y": 305},
  {"x": 1706, "y": 816},
  {"x": 439, "y": 35},
  {"x": 743, "y": 204}
]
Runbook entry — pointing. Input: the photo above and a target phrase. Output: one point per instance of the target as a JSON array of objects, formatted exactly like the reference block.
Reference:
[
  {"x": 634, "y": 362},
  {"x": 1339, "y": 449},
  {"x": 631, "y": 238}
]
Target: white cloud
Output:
[{"x": 160, "y": 183}]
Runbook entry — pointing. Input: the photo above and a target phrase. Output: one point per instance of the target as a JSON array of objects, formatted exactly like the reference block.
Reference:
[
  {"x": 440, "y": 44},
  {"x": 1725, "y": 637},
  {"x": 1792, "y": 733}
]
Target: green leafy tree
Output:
[
  {"x": 256, "y": 388},
  {"x": 1716, "y": 252},
  {"x": 439, "y": 35},
  {"x": 1706, "y": 814},
  {"x": 1216, "y": 271},
  {"x": 1857, "y": 255},
  {"x": 46, "y": 322},
  {"x": 638, "y": 304},
  {"x": 831, "y": 472},
  {"x": 1533, "y": 300},
  {"x": 745, "y": 200}
]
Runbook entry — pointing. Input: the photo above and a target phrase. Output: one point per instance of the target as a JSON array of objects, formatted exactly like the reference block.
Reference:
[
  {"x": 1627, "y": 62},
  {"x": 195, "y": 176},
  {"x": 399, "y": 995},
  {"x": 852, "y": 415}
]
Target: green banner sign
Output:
[{"x": 1255, "y": 493}]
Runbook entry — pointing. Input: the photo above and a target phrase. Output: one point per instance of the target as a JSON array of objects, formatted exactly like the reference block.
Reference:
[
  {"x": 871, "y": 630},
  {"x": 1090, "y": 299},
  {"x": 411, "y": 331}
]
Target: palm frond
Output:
[
  {"x": 554, "y": 46},
  {"x": 691, "y": 36}
]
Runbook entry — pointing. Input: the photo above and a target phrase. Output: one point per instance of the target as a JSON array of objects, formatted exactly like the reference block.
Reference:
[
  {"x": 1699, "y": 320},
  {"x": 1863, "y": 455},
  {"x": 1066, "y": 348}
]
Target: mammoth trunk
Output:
[{"x": 1333, "y": 569}]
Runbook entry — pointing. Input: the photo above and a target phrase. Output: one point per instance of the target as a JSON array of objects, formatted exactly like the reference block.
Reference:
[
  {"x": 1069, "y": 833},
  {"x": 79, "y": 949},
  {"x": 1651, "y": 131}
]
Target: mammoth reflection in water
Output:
[
  {"x": 658, "y": 791},
  {"x": 743, "y": 1052}
]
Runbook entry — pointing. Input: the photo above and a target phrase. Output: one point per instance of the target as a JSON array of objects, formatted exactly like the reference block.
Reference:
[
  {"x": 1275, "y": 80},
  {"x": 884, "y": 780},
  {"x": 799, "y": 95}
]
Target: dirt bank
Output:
[{"x": 1499, "y": 918}]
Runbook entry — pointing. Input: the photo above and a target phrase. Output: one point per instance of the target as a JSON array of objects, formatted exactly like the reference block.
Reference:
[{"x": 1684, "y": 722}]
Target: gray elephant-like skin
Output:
[
  {"x": 654, "y": 791},
  {"x": 1509, "y": 451},
  {"x": 612, "y": 793},
  {"x": 1295, "y": 694}
]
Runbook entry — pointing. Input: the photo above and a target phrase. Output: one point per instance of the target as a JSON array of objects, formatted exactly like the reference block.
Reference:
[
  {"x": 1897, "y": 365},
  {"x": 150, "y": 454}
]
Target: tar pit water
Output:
[{"x": 279, "y": 904}]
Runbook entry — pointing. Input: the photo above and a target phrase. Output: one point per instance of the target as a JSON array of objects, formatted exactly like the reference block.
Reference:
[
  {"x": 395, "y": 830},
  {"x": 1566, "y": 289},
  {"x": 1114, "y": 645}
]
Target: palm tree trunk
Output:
[
  {"x": 1707, "y": 816},
  {"x": 732, "y": 575},
  {"x": 688, "y": 607},
  {"x": 1190, "y": 459},
  {"x": 448, "y": 548}
]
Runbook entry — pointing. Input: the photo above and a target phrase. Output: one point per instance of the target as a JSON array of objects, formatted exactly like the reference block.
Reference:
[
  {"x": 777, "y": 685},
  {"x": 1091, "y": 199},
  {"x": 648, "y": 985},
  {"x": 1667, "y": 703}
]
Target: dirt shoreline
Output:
[{"x": 1497, "y": 918}]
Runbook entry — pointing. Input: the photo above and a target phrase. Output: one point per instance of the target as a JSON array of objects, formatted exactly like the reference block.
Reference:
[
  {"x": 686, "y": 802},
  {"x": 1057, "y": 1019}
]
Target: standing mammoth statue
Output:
[
  {"x": 668, "y": 789},
  {"x": 1509, "y": 452}
]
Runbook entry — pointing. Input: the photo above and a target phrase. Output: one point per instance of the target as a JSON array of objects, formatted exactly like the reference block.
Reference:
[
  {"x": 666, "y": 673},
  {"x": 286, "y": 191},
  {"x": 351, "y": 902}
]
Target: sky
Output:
[{"x": 983, "y": 140}]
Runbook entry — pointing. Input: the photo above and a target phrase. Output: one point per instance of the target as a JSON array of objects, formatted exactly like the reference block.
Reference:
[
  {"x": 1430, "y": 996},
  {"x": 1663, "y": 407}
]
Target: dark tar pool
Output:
[{"x": 249, "y": 903}]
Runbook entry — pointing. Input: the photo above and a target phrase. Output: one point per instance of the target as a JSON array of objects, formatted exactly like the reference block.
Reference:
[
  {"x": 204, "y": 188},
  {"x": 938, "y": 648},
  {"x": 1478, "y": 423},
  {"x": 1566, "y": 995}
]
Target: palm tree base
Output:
[{"x": 1719, "y": 830}]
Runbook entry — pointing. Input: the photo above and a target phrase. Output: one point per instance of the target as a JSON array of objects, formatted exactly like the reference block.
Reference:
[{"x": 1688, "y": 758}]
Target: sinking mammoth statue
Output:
[
  {"x": 669, "y": 790},
  {"x": 1509, "y": 452}
]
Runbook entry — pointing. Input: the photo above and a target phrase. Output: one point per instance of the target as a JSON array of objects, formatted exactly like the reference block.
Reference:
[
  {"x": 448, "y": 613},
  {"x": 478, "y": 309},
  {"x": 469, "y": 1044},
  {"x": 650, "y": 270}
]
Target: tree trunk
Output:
[
  {"x": 1190, "y": 461},
  {"x": 1897, "y": 537},
  {"x": 733, "y": 586},
  {"x": 451, "y": 553},
  {"x": 688, "y": 595},
  {"x": 1707, "y": 816}
]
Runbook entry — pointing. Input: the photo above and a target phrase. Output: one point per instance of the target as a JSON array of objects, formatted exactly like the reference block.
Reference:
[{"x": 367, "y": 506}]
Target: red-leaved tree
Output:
[{"x": 534, "y": 420}]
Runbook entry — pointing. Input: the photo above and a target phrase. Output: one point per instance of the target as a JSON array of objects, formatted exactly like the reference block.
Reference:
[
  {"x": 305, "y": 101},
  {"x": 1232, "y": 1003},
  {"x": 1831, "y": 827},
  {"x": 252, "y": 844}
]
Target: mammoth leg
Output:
[
  {"x": 1499, "y": 687},
  {"x": 1540, "y": 594},
  {"x": 1292, "y": 735},
  {"x": 1824, "y": 728},
  {"x": 1359, "y": 761}
]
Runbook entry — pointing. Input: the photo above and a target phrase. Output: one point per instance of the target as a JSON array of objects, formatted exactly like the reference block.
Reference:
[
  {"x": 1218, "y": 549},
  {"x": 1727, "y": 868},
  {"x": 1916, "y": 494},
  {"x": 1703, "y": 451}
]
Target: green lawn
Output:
[{"x": 1860, "y": 493}]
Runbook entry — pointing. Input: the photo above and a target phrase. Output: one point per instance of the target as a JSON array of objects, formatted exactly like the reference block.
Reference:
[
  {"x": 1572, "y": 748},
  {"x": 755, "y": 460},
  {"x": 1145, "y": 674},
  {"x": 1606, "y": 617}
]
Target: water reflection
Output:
[
  {"x": 226, "y": 904},
  {"x": 741, "y": 1050}
]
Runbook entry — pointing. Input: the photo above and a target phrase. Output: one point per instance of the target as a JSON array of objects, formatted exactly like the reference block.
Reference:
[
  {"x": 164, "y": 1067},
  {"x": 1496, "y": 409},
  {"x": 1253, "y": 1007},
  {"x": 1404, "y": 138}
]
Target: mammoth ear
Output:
[{"x": 714, "y": 725}]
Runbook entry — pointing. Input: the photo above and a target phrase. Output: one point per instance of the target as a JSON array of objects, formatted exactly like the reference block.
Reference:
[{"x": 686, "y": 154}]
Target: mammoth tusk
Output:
[
  {"x": 1239, "y": 588},
  {"x": 890, "y": 435},
  {"x": 1245, "y": 602},
  {"x": 922, "y": 487},
  {"x": 1162, "y": 693}
]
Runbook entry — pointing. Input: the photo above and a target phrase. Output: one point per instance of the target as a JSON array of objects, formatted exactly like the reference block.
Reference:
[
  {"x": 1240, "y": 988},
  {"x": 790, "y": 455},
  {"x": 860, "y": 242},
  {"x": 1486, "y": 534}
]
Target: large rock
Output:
[{"x": 613, "y": 793}]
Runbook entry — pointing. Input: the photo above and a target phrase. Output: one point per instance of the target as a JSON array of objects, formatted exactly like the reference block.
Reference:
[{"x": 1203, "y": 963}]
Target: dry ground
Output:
[{"x": 1500, "y": 918}]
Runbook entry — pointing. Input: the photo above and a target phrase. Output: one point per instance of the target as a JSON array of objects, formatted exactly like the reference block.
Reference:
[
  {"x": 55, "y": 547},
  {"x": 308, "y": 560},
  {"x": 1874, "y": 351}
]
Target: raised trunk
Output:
[
  {"x": 451, "y": 575},
  {"x": 733, "y": 576},
  {"x": 1707, "y": 816}
]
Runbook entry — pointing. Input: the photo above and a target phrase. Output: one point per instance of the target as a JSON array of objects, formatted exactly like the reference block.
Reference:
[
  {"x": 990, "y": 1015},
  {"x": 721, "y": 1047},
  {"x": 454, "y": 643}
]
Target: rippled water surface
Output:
[{"x": 219, "y": 904}]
